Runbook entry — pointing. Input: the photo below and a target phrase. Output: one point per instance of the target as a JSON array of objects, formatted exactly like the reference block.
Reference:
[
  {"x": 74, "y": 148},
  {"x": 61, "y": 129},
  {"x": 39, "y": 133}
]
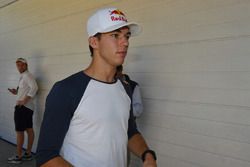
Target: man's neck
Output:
[
  {"x": 102, "y": 72},
  {"x": 24, "y": 71}
]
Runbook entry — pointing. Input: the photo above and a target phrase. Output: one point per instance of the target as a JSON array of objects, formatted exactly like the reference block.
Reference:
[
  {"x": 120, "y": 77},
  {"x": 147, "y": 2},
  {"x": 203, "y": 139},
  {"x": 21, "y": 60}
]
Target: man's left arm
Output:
[
  {"x": 138, "y": 146},
  {"x": 23, "y": 101},
  {"x": 136, "y": 143}
]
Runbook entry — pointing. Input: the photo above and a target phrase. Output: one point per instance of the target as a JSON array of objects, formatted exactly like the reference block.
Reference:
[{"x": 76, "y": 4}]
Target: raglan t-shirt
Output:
[{"x": 87, "y": 122}]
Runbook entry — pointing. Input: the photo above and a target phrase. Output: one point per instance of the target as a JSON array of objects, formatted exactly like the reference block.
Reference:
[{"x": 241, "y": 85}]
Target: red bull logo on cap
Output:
[{"x": 117, "y": 15}]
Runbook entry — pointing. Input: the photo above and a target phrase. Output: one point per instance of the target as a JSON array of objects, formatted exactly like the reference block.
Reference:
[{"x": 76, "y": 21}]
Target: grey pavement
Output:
[{"x": 6, "y": 151}]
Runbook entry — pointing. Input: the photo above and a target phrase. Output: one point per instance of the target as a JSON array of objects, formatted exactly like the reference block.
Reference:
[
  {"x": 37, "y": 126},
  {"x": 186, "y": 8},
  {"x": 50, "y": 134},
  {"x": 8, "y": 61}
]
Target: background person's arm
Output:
[
  {"x": 137, "y": 102},
  {"x": 32, "y": 85},
  {"x": 24, "y": 101}
]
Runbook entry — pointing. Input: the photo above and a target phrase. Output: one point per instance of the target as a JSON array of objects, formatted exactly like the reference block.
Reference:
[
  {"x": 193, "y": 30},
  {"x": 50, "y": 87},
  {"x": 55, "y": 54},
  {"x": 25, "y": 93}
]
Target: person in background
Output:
[
  {"x": 88, "y": 121},
  {"x": 26, "y": 91},
  {"x": 135, "y": 89}
]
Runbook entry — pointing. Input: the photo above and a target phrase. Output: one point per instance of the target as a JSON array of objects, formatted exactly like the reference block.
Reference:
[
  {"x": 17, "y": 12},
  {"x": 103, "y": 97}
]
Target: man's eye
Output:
[
  {"x": 115, "y": 36},
  {"x": 128, "y": 36}
]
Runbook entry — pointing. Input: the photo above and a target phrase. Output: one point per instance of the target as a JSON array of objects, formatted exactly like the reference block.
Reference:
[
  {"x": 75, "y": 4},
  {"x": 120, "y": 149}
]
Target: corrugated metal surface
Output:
[
  {"x": 192, "y": 62},
  {"x": 5, "y": 3}
]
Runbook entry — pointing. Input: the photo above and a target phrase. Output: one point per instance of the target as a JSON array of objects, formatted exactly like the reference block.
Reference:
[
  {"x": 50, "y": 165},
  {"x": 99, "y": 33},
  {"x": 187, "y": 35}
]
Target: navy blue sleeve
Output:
[
  {"x": 55, "y": 124},
  {"x": 132, "y": 127},
  {"x": 61, "y": 104}
]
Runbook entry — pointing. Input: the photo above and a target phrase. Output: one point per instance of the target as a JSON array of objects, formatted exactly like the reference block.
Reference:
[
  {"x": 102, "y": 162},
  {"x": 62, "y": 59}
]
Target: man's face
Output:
[
  {"x": 112, "y": 46},
  {"x": 21, "y": 67}
]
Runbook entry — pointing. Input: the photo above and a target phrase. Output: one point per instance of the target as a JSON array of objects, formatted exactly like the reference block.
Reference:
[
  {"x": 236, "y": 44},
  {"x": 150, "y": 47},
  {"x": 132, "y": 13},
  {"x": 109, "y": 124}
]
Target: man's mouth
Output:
[{"x": 122, "y": 53}]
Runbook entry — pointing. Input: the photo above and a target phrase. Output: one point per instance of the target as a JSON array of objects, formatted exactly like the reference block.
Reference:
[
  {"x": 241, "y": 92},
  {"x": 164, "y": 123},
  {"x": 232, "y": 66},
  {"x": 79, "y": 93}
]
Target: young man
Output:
[
  {"x": 26, "y": 90},
  {"x": 87, "y": 120}
]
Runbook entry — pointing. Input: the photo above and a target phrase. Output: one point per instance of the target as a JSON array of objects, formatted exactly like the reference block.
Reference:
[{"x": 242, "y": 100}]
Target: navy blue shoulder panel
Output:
[
  {"x": 132, "y": 127},
  {"x": 131, "y": 82},
  {"x": 132, "y": 85},
  {"x": 61, "y": 104}
]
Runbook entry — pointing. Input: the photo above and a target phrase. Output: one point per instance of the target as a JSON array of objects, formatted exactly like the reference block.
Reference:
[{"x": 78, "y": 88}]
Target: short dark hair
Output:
[{"x": 98, "y": 36}]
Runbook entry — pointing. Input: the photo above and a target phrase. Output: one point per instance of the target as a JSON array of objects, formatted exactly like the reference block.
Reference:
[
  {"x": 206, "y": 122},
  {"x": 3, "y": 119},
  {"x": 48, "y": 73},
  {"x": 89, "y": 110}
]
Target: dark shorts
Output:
[{"x": 23, "y": 118}]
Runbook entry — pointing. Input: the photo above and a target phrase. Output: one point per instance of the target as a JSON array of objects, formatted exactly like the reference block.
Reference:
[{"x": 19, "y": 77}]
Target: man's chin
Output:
[{"x": 121, "y": 63}]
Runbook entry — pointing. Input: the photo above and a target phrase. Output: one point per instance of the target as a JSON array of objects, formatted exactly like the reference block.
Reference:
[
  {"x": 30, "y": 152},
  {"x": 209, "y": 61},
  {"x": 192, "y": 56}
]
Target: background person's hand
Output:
[
  {"x": 13, "y": 91},
  {"x": 20, "y": 103},
  {"x": 24, "y": 101}
]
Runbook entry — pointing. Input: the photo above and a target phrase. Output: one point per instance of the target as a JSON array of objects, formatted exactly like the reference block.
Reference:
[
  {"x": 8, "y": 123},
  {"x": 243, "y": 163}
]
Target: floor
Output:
[{"x": 6, "y": 151}]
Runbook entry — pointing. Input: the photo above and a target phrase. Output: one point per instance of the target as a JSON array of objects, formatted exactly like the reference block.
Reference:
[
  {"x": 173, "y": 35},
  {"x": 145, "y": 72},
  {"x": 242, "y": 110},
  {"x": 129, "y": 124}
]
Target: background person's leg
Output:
[
  {"x": 20, "y": 141},
  {"x": 31, "y": 136}
]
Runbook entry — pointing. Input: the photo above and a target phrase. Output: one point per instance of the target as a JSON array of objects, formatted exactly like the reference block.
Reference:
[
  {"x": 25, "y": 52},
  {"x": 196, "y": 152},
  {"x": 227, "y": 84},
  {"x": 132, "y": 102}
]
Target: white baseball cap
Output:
[
  {"x": 23, "y": 60},
  {"x": 110, "y": 19}
]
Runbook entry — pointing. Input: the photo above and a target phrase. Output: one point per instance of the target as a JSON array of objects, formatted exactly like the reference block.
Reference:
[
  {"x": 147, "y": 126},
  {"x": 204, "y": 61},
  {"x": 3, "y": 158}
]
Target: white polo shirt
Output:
[{"x": 27, "y": 86}]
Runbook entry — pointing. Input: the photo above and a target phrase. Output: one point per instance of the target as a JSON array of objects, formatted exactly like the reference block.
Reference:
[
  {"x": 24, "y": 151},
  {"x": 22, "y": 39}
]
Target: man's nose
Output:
[{"x": 125, "y": 41}]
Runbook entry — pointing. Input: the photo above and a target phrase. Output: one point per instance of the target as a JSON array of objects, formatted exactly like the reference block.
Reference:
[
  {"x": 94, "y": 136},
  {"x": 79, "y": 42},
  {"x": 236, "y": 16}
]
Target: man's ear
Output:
[{"x": 93, "y": 42}]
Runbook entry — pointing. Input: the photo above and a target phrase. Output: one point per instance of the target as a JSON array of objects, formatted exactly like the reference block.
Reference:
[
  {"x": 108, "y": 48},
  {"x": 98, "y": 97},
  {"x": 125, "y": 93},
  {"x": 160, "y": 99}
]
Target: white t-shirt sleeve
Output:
[
  {"x": 32, "y": 85},
  {"x": 137, "y": 102}
]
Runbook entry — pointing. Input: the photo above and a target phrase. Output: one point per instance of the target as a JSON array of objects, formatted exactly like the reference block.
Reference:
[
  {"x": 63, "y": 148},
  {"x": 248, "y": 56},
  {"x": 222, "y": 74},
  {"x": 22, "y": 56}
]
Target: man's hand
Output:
[
  {"x": 20, "y": 103},
  {"x": 24, "y": 101},
  {"x": 13, "y": 91},
  {"x": 149, "y": 161},
  {"x": 137, "y": 145}
]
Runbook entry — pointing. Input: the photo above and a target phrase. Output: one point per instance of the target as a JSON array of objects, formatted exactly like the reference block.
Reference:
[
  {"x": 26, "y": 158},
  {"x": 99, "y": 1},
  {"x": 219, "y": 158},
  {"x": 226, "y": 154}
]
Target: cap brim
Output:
[
  {"x": 23, "y": 61},
  {"x": 134, "y": 28}
]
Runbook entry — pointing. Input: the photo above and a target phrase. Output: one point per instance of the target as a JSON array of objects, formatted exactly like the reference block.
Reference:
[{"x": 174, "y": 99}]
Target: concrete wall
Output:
[{"x": 192, "y": 62}]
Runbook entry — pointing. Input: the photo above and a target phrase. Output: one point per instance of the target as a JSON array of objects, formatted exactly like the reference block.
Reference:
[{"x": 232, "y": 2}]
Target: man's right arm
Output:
[
  {"x": 55, "y": 124},
  {"x": 57, "y": 161}
]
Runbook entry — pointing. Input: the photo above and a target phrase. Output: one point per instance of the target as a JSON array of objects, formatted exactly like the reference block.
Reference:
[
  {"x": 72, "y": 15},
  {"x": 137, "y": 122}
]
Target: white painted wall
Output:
[{"x": 192, "y": 62}]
